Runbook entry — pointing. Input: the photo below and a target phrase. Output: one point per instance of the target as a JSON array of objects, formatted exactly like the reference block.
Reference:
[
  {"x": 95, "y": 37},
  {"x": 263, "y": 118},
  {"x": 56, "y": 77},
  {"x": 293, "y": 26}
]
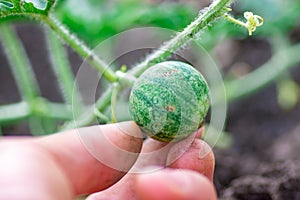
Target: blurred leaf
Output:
[
  {"x": 94, "y": 21},
  {"x": 221, "y": 140},
  {"x": 288, "y": 94}
]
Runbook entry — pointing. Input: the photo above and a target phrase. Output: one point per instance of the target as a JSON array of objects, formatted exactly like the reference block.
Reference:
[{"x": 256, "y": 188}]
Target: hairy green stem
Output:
[
  {"x": 264, "y": 75},
  {"x": 19, "y": 111},
  {"x": 14, "y": 112},
  {"x": 61, "y": 66},
  {"x": 20, "y": 65},
  {"x": 63, "y": 72},
  {"x": 78, "y": 46},
  {"x": 206, "y": 16}
]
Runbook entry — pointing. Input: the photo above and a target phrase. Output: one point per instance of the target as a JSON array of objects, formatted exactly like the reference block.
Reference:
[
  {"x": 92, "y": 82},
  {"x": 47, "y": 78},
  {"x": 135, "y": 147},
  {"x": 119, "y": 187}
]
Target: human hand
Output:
[{"x": 61, "y": 166}]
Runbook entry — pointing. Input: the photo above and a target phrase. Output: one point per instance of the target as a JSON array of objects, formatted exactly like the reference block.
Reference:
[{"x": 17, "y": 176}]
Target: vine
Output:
[
  {"x": 206, "y": 16},
  {"x": 35, "y": 108}
]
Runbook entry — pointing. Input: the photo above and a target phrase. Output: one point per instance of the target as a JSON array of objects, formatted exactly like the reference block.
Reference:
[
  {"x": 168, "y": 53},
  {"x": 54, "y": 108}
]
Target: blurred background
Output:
[{"x": 257, "y": 156}]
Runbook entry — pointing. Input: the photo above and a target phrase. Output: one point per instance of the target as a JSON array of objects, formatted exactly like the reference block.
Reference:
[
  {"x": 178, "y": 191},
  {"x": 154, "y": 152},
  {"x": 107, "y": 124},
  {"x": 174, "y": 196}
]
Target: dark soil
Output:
[
  {"x": 263, "y": 163},
  {"x": 276, "y": 180}
]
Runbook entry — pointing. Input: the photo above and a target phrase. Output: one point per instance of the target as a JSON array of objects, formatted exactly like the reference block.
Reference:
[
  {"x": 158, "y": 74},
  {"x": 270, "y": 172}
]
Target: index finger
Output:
[{"x": 77, "y": 152}]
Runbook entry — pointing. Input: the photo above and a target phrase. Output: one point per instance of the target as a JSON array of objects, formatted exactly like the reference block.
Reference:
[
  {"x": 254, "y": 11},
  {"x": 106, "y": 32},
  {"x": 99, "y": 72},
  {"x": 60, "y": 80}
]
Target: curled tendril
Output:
[{"x": 253, "y": 21}]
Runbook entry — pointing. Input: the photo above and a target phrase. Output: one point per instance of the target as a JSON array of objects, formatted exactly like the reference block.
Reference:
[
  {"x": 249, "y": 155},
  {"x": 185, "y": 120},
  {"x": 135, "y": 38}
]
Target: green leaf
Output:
[
  {"x": 7, "y": 4},
  {"x": 39, "y": 4},
  {"x": 31, "y": 8},
  {"x": 96, "y": 20}
]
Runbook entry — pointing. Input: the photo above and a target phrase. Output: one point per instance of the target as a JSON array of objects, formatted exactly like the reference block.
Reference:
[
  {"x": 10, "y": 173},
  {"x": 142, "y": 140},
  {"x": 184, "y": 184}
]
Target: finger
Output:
[
  {"x": 28, "y": 173},
  {"x": 175, "y": 185},
  {"x": 94, "y": 158},
  {"x": 198, "y": 157}
]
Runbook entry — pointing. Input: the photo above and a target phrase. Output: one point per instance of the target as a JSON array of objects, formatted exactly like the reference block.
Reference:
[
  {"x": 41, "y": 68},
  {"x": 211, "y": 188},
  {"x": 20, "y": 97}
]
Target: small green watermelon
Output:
[{"x": 169, "y": 101}]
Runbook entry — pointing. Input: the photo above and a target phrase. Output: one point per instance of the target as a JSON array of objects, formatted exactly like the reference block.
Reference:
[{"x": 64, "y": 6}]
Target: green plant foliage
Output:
[
  {"x": 94, "y": 21},
  {"x": 32, "y": 8},
  {"x": 78, "y": 22}
]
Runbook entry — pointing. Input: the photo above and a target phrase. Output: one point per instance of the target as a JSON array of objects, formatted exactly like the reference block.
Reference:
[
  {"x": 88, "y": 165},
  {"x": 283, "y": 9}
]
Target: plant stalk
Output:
[
  {"x": 82, "y": 49},
  {"x": 14, "y": 112},
  {"x": 20, "y": 111},
  {"x": 63, "y": 72},
  {"x": 60, "y": 66},
  {"x": 20, "y": 65}
]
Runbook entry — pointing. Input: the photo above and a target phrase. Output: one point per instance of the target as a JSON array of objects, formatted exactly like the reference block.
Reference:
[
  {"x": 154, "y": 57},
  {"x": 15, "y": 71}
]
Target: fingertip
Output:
[{"x": 174, "y": 184}]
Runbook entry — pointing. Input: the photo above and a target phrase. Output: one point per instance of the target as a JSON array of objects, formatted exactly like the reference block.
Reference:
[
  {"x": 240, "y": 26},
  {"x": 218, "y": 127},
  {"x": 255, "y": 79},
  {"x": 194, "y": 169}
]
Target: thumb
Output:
[{"x": 176, "y": 184}]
